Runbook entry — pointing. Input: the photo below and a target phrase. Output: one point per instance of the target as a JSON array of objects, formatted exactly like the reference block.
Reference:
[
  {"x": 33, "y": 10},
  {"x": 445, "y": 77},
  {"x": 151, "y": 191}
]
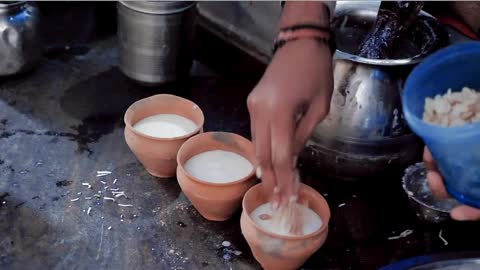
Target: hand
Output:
[
  {"x": 468, "y": 12},
  {"x": 292, "y": 97},
  {"x": 462, "y": 212}
]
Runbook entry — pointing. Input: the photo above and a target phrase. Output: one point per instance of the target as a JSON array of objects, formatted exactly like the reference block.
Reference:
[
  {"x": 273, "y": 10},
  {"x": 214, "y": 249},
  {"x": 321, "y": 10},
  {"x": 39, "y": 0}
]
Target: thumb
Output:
[
  {"x": 464, "y": 212},
  {"x": 428, "y": 160}
]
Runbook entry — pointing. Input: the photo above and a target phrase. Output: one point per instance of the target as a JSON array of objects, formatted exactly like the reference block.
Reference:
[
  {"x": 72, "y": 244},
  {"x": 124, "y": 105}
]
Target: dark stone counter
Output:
[{"x": 63, "y": 122}]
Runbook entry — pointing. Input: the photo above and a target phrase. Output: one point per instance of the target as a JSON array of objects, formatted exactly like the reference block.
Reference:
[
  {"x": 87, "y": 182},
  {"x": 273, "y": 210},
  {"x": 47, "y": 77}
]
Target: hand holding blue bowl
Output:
[
  {"x": 456, "y": 150},
  {"x": 435, "y": 180}
]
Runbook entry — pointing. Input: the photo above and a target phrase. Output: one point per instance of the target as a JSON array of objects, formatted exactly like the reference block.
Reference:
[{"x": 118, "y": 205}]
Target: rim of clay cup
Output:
[
  {"x": 180, "y": 165},
  {"x": 290, "y": 237},
  {"x": 197, "y": 129}
]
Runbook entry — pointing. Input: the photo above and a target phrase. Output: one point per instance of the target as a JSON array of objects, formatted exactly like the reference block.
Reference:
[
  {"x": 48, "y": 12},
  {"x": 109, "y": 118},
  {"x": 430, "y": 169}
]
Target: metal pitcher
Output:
[
  {"x": 365, "y": 134},
  {"x": 20, "y": 47}
]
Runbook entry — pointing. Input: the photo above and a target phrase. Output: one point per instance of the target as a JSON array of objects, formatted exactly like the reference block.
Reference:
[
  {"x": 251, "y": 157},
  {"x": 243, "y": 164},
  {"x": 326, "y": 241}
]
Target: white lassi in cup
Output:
[
  {"x": 218, "y": 166},
  {"x": 262, "y": 216},
  {"x": 165, "y": 126}
]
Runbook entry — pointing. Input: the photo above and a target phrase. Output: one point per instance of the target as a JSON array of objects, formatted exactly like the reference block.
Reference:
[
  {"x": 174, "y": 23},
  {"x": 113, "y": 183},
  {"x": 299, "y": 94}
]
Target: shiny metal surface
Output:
[
  {"x": 427, "y": 208},
  {"x": 454, "y": 260},
  {"x": 361, "y": 15},
  {"x": 159, "y": 7},
  {"x": 251, "y": 25},
  {"x": 20, "y": 47},
  {"x": 365, "y": 134},
  {"x": 155, "y": 40},
  {"x": 460, "y": 264}
]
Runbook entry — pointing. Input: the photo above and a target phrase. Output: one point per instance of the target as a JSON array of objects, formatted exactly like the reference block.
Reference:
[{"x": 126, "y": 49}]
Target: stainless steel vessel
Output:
[
  {"x": 155, "y": 39},
  {"x": 365, "y": 134},
  {"x": 427, "y": 207},
  {"x": 20, "y": 47},
  {"x": 458, "y": 260}
]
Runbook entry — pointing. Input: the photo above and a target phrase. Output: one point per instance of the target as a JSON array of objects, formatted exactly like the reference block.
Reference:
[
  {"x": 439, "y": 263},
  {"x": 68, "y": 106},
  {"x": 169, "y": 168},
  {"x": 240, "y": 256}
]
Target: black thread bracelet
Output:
[
  {"x": 307, "y": 26},
  {"x": 330, "y": 42}
]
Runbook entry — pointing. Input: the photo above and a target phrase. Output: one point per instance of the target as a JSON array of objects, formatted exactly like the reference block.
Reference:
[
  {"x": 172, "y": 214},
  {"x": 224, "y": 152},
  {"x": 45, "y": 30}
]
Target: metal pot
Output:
[
  {"x": 20, "y": 47},
  {"x": 365, "y": 134},
  {"x": 427, "y": 207},
  {"x": 155, "y": 39}
]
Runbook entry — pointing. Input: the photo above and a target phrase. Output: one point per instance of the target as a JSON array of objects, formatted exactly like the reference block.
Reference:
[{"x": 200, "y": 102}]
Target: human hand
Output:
[
  {"x": 435, "y": 180},
  {"x": 292, "y": 97},
  {"x": 468, "y": 12}
]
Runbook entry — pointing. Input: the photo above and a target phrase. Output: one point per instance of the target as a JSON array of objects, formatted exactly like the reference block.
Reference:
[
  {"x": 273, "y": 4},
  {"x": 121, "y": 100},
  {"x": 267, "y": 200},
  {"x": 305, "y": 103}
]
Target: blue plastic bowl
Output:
[{"x": 455, "y": 149}]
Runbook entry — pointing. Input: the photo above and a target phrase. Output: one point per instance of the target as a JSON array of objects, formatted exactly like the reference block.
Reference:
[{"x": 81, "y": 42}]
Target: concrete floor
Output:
[{"x": 63, "y": 122}]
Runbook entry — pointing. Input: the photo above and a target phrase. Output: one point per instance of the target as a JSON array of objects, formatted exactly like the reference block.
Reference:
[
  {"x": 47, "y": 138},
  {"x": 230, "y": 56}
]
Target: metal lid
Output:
[
  {"x": 9, "y": 4},
  {"x": 364, "y": 14},
  {"x": 158, "y": 7}
]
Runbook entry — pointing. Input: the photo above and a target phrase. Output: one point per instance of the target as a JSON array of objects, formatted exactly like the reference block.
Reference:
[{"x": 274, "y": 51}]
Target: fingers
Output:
[
  {"x": 436, "y": 184},
  {"x": 428, "y": 160},
  {"x": 263, "y": 150},
  {"x": 282, "y": 130},
  {"x": 433, "y": 176},
  {"x": 262, "y": 142},
  {"x": 252, "y": 128},
  {"x": 464, "y": 213},
  {"x": 460, "y": 213},
  {"x": 315, "y": 113}
]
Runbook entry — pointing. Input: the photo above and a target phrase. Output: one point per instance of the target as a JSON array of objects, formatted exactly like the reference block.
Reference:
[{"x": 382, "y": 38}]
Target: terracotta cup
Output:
[
  {"x": 215, "y": 201},
  {"x": 158, "y": 155},
  {"x": 279, "y": 252}
]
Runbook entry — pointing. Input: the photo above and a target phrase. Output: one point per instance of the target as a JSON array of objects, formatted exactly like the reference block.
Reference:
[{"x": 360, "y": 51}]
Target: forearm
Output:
[
  {"x": 306, "y": 12},
  {"x": 469, "y": 13}
]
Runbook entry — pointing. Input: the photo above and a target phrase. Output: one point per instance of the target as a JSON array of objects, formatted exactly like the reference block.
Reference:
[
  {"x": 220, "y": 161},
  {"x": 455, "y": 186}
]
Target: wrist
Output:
[
  {"x": 304, "y": 12},
  {"x": 322, "y": 35},
  {"x": 309, "y": 46}
]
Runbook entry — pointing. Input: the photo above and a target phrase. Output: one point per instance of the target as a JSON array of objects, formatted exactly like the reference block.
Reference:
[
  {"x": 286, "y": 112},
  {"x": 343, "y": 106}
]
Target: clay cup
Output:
[
  {"x": 279, "y": 252},
  {"x": 158, "y": 155},
  {"x": 215, "y": 201}
]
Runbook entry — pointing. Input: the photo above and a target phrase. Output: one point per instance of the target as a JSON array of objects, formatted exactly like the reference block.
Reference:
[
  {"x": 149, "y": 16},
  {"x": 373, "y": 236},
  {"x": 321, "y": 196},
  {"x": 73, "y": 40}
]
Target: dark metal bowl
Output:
[{"x": 427, "y": 208}]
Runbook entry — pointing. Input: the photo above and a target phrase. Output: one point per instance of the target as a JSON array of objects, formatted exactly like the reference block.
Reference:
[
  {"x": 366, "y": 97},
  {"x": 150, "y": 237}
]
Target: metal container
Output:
[
  {"x": 457, "y": 260},
  {"x": 427, "y": 208},
  {"x": 456, "y": 149},
  {"x": 365, "y": 134},
  {"x": 155, "y": 39},
  {"x": 20, "y": 47}
]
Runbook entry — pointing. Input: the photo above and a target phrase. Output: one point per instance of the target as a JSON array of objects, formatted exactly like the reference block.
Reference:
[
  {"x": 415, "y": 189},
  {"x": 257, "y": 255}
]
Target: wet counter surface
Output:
[{"x": 63, "y": 122}]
